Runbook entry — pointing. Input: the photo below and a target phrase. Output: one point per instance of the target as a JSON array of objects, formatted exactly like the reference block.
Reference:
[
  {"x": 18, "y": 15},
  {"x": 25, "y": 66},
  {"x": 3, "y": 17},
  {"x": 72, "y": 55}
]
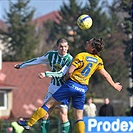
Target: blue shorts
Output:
[{"x": 72, "y": 90}]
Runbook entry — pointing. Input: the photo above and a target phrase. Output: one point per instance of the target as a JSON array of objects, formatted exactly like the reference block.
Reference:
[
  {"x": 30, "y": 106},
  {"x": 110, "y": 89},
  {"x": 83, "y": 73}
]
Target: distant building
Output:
[
  {"x": 21, "y": 91},
  {"x": 50, "y": 16}
]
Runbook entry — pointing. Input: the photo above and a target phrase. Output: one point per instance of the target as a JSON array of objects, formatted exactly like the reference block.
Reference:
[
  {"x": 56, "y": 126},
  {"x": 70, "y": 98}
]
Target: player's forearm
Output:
[
  {"x": 116, "y": 85},
  {"x": 54, "y": 74},
  {"x": 109, "y": 79},
  {"x": 34, "y": 61},
  {"x": 28, "y": 63},
  {"x": 60, "y": 73}
]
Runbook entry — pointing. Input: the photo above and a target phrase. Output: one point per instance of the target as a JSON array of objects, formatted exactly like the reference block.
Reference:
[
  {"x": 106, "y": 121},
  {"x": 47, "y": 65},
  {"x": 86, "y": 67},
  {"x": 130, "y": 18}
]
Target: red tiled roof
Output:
[
  {"x": 3, "y": 25},
  {"x": 50, "y": 16},
  {"x": 40, "y": 20},
  {"x": 30, "y": 90}
]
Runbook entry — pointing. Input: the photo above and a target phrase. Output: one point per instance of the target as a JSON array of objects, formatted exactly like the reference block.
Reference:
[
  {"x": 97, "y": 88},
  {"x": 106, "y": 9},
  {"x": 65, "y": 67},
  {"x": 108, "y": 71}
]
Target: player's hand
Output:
[
  {"x": 17, "y": 66},
  {"x": 118, "y": 86},
  {"x": 41, "y": 75}
]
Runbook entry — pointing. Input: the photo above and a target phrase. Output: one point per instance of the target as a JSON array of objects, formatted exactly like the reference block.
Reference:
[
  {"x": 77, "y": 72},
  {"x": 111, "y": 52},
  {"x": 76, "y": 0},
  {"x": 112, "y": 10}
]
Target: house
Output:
[
  {"x": 3, "y": 25},
  {"x": 50, "y": 16},
  {"x": 21, "y": 91}
]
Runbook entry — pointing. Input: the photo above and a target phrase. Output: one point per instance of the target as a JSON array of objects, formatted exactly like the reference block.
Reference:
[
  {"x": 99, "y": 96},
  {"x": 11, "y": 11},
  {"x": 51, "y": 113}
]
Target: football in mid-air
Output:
[{"x": 84, "y": 22}]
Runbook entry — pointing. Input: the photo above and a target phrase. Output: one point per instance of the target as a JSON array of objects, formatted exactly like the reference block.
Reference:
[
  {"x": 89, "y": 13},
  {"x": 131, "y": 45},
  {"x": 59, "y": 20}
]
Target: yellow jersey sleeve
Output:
[
  {"x": 78, "y": 61},
  {"x": 100, "y": 66}
]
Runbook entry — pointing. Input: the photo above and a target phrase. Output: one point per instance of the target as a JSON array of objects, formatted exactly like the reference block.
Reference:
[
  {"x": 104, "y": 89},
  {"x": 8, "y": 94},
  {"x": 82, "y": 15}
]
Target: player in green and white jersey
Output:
[{"x": 59, "y": 62}]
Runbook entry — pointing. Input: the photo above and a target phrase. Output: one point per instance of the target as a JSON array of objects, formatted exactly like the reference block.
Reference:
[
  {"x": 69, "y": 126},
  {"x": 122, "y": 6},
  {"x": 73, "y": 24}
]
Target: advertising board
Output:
[{"x": 108, "y": 124}]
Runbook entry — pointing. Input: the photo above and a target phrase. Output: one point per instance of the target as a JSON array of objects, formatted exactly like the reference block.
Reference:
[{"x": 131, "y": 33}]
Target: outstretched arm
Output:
[
  {"x": 109, "y": 79},
  {"x": 32, "y": 62},
  {"x": 60, "y": 73}
]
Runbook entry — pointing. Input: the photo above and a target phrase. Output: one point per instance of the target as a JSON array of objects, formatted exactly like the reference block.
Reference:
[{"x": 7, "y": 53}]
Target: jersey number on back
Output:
[{"x": 86, "y": 70}]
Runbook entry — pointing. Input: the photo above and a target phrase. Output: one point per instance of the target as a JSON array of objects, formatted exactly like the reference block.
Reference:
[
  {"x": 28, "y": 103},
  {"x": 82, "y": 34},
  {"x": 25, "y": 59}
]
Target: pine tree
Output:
[
  {"x": 67, "y": 26},
  {"x": 20, "y": 39},
  {"x": 126, "y": 7}
]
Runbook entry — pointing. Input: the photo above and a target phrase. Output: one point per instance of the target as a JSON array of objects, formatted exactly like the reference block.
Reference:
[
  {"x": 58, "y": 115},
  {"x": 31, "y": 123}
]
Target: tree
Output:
[
  {"x": 126, "y": 7},
  {"x": 125, "y": 15},
  {"x": 67, "y": 26},
  {"x": 20, "y": 39}
]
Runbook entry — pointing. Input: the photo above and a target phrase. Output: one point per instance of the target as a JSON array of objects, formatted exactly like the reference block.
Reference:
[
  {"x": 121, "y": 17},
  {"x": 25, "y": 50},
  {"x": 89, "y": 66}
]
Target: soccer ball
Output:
[{"x": 84, "y": 22}]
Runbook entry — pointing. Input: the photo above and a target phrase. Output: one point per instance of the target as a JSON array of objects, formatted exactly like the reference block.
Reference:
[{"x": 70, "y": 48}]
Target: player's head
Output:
[
  {"x": 62, "y": 46},
  {"x": 95, "y": 45}
]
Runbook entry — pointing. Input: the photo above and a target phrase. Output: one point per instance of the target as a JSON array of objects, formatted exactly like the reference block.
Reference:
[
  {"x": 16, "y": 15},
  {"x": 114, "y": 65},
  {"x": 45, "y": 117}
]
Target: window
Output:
[{"x": 3, "y": 100}]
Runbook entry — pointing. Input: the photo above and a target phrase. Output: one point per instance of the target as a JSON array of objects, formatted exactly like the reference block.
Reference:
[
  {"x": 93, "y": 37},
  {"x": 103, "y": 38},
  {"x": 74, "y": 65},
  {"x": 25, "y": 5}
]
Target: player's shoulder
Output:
[
  {"x": 51, "y": 52},
  {"x": 99, "y": 58},
  {"x": 69, "y": 55},
  {"x": 85, "y": 55},
  {"x": 82, "y": 54}
]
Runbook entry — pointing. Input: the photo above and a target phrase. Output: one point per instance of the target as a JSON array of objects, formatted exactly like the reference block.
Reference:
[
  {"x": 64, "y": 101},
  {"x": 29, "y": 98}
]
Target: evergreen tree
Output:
[
  {"x": 20, "y": 39},
  {"x": 67, "y": 26},
  {"x": 126, "y": 7}
]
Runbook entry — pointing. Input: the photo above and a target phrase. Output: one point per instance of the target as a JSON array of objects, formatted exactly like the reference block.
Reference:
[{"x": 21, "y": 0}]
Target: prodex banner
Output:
[{"x": 108, "y": 124}]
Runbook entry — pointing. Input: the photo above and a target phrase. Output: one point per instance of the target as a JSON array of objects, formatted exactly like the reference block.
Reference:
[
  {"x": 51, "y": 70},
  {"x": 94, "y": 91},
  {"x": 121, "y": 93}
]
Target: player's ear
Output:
[
  {"x": 57, "y": 46},
  {"x": 86, "y": 47},
  {"x": 94, "y": 50}
]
